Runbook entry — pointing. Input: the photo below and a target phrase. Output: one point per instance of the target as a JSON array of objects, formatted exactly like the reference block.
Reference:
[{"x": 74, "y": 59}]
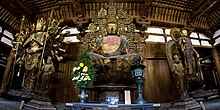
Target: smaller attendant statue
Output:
[
  {"x": 179, "y": 74},
  {"x": 47, "y": 70}
]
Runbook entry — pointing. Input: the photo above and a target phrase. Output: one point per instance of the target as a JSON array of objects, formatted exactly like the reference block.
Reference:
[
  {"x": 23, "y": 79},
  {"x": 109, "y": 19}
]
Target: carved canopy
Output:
[{"x": 126, "y": 28}]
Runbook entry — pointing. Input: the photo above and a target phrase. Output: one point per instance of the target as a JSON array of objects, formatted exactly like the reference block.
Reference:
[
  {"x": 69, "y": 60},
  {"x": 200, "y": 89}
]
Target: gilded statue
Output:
[
  {"x": 178, "y": 72},
  {"x": 115, "y": 23},
  {"x": 189, "y": 56},
  {"x": 18, "y": 46},
  {"x": 44, "y": 39},
  {"x": 113, "y": 44},
  {"x": 47, "y": 70},
  {"x": 33, "y": 49}
]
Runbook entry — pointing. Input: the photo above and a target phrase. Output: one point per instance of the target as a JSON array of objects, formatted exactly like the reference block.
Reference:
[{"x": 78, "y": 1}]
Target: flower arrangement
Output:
[
  {"x": 80, "y": 73},
  {"x": 83, "y": 71}
]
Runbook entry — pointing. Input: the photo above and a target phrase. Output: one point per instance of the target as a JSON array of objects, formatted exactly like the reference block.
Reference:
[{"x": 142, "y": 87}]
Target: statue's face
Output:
[
  {"x": 112, "y": 28},
  {"x": 176, "y": 59},
  {"x": 49, "y": 60},
  {"x": 184, "y": 33}
]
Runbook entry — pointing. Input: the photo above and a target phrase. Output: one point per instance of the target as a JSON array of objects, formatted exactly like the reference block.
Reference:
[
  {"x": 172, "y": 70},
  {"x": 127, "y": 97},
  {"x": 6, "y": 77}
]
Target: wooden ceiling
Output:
[{"x": 202, "y": 15}]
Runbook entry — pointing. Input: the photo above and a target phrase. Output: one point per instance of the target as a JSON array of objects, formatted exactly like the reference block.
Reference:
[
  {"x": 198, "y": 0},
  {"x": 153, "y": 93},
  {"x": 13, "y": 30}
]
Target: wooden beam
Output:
[
  {"x": 146, "y": 21},
  {"x": 47, "y": 9},
  {"x": 77, "y": 7},
  {"x": 8, "y": 27},
  {"x": 146, "y": 7},
  {"x": 38, "y": 6},
  {"x": 1, "y": 33},
  {"x": 114, "y": 1},
  {"x": 216, "y": 37},
  {"x": 217, "y": 46},
  {"x": 171, "y": 7},
  {"x": 215, "y": 28},
  {"x": 4, "y": 87},
  {"x": 216, "y": 59},
  {"x": 76, "y": 20},
  {"x": 19, "y": 5},
  {"x": 175, "y": 3},
  {"x": 203, "y": 7}
]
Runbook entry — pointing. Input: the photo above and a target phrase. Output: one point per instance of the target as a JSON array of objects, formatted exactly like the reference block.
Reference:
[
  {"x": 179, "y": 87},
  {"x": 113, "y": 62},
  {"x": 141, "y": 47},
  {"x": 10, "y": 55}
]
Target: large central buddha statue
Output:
[{"x": 113, "y": 45}]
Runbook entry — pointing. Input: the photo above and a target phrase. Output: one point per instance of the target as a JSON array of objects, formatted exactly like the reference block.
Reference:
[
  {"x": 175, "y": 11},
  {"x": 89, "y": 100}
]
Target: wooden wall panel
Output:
[
  {"x": 63, "y": 89},
  {"x": 154, "y": 50},
  {"x": 158, "y": 85},
  {"x": 157, "y": 50}
]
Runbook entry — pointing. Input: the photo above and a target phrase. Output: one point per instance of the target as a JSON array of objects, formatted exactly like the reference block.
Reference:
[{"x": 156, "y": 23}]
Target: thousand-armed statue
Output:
[{"x": 34, "y": 47}]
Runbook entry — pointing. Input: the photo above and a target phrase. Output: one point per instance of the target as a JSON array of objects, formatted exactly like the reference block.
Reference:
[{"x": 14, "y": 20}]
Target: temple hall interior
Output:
[{"x": 110, "y": 54}]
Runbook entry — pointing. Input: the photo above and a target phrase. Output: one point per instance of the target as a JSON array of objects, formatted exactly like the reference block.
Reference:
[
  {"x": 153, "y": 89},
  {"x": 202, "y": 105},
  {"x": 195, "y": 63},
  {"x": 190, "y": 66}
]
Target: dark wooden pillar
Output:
[
  {"x": 7, "y": 72},
  {"x": 1, "y": 33},
  {"x": 216, "y": 59}
]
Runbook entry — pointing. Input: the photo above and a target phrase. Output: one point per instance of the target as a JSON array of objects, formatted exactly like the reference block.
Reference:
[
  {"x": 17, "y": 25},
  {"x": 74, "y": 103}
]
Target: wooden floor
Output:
[{"x": 6, "y": 104}]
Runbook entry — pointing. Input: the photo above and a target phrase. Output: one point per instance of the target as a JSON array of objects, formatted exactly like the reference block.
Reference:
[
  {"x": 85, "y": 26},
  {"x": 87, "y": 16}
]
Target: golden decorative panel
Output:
[{"x": 125, "y": 28}]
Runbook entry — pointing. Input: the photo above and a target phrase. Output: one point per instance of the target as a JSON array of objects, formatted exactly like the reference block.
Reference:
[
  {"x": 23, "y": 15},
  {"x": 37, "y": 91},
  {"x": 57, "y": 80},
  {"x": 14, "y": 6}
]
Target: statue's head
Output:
[
  {"x": 176, "y": 59},
  {"x": 112, "y": 28},
  {"x": 184, "y": 32},
  {"x": 175, "y": 34},
  {"x": 49, "y": 60}
]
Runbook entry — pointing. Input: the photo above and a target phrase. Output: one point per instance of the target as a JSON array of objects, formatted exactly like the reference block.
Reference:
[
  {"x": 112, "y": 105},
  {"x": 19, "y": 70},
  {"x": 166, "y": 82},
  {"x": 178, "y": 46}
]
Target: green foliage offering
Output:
[{"x": 83, "y": 71}]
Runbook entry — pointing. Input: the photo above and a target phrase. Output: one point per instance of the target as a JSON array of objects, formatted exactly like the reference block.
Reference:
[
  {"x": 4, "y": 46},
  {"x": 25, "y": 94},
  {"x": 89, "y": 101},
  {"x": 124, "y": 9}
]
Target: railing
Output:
[{"x": 98, "y": 106}]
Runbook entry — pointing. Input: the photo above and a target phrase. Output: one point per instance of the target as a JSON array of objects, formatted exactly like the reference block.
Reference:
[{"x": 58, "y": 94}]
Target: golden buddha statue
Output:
[
  {"x": 112, "y": 45},
  {"x": 111, "y": 42}
]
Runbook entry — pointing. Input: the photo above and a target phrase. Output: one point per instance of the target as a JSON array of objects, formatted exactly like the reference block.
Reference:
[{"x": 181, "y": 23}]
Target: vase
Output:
[
  {"x": 112, "y": 100},
  {"x": 82, "y": 96}
]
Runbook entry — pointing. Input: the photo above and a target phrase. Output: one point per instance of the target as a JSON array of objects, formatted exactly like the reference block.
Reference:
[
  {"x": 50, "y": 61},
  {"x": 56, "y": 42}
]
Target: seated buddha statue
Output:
[
  {"x": 111, "y": 45},
  {"x": 111, "y": 56}
]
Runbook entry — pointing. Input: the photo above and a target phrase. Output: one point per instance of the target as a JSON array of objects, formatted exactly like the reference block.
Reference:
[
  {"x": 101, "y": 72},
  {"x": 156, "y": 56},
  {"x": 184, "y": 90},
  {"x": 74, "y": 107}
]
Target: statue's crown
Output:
[{"x": 40, "y": 24}]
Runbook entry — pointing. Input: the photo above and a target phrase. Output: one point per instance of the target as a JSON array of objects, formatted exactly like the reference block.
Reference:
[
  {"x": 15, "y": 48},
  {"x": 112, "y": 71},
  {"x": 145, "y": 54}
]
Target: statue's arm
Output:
[
  {"x": 38, "y": 42},
  {"x": 27, "y": 41},
  {"x": 99, "y": 43},
  {"x": 53, "y": 69},
  {"x": 99, "y": 46},
  {"x": 124, "y": 46},
  {"x": 174, "y": 71},
  {"x": 196, "y": 53}
]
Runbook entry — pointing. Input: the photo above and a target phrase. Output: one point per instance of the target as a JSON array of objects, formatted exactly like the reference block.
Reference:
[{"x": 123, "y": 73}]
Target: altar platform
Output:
[
  {"x": 98, "y": 106},
  {"x": 12, "y": 104}
]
